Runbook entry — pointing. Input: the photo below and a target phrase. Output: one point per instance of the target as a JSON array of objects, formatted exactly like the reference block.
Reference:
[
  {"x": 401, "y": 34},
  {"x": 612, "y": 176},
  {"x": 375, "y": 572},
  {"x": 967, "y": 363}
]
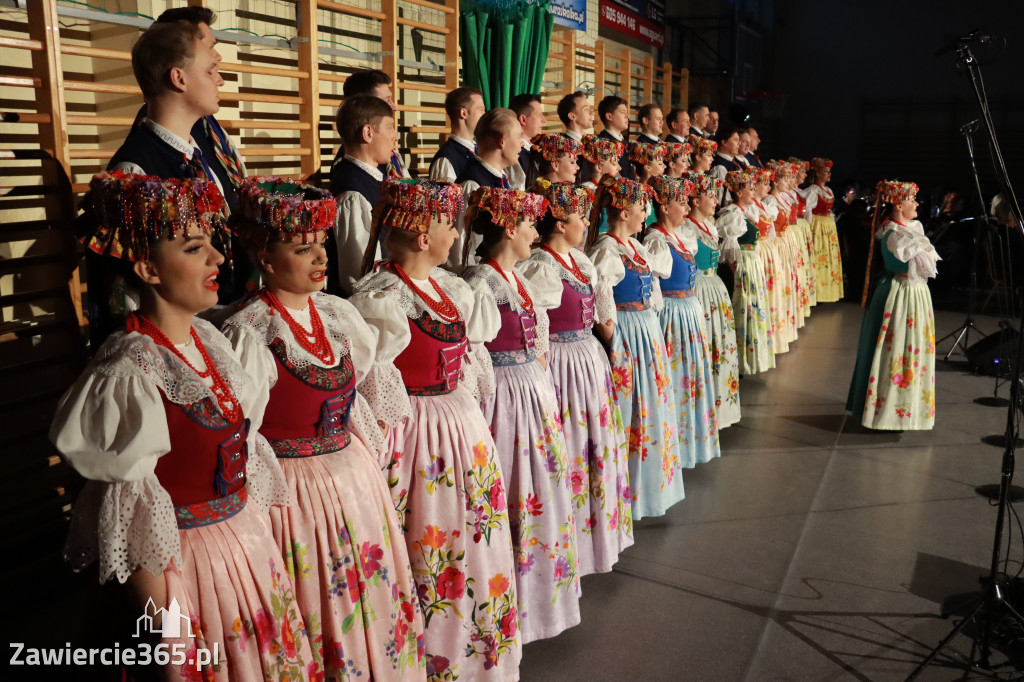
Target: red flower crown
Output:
[{"x": 895, "y": 192}]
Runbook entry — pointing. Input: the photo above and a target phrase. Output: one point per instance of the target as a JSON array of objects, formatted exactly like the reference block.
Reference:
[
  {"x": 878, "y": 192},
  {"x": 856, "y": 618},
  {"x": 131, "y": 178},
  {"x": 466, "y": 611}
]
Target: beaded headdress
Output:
[
  {"x": 125, "y": 213},
  {"x": 599, "y": 149},
  {"x": 566, "y": 198},
  {"x": 506, "y": 206},
  {"x": 644, "y": 153},
  {"x": 702, "y": 145},
  {"x": 703, "y": 184},
  {"x": 673, "y": 150},
  {"x": 737, "y": 180},
  {"x": 894, "y": 191},
  {"x": 552, "y": 146},
  {"x": 271, "y": 206},
  {"x": 617, "y": 192},
  {"x": 667, "y": 188},
  {"x": 819, "y": 164},
  {"x": 411, "y": 205},
  {"x": 780, "y": 169}
]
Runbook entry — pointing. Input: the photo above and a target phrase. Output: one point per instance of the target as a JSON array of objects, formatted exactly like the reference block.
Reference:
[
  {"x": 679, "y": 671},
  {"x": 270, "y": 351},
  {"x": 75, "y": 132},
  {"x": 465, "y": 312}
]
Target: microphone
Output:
[
  {"x": 970, "y": 127},
  {"x": 976, "y": 36}
]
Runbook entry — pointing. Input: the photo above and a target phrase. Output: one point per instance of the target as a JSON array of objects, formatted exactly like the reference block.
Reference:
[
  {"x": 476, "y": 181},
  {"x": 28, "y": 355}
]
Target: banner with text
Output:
[
  {"x": 641, "y": 19},
  {"x": 571, "y": 13}
]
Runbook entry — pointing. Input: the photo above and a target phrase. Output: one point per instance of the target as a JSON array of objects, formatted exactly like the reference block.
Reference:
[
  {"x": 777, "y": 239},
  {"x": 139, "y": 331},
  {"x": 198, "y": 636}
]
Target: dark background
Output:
[{"x": 860, "y": 81}]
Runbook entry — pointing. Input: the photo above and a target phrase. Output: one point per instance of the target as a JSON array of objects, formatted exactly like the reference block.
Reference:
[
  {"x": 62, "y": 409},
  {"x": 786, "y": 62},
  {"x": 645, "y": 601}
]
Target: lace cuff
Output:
[
  {"x": 384, "y": 393},
  {"x": 543, "y": 343},
  {"x": 365, "y": 427},
  {"x": 126, "y": 525},
  {"x": 478, "y": 372},
  {"x": 604, "y": 304},
  {"x": 264, "y": 479},
  {"x": 657, "y": 302}
]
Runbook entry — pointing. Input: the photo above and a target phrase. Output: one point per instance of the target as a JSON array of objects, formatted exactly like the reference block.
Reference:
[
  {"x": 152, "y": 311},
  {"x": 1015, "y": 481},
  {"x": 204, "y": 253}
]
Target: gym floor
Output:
[{"x": 813, "y": 549}]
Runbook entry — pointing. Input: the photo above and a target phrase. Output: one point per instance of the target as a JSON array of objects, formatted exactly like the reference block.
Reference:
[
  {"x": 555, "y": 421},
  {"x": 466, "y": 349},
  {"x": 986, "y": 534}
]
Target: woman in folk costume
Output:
[
  {"x": 738, "y": 224},
  {"x": 591, "y": 421},
  {"x": 893, "y": 386},
  {"x": 787, "y": 259},
  {"x": 604, "y": 154},
  {"x": 444, "y": 474},
  {"x": 715, "y": 300},
  {"x": 673, "y": 247},
  {"x": 627, "y": 298},
  {"x": 310, "y": 354},
  {"x": 555, "y": 157},
  {"x": 828, "y": 274},
  {"x": 703, "y": 153},
  {"x": 648, "y": 162},
  {"x": 795, "y": 235},
  {"x": 799, "y": 193},
  {"x": 523, "y": 413},
  {"x": 677, "y": 158},
  {"x": 159, "y": 424},
  {"x": 771, "y": 261}
]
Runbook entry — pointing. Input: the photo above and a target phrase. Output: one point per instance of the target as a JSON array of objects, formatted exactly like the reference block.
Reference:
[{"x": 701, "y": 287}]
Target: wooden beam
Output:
[
  {"x": 447, "y": 7},
  {"x": 598, "y": 82},
  {"x": 648, "y": 79},
  {"x": 666, "y": 88},
  {"x": 356, "y": 11},
  {"x": 569, "y": 62},
  {"x": 626, "y": 62},
  {"x": 451, "y": 45},
  {"x": 423, "y": 25},
  {"x": 309, "y": 89}
]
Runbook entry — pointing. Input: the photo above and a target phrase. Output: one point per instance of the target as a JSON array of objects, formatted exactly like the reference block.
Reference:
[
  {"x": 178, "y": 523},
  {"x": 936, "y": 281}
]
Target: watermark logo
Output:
[
  {"x": 170, "y": 624},
  {"x": 170, "y": 621}
]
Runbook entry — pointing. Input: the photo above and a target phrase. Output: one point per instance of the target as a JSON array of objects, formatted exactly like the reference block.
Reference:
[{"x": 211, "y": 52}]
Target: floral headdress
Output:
[
  {"x": 644, "y": 153},
  {"x": 552, "y": 146},
  {"x": 125, "y": 213},
  {"x": 780, "y": 169},
  {"x": 271, "y": 206},
  {"x": 411, "y": 205},
  {"x": 737, "y": 180},
  {"x": 819, "y": 164},
  {"x": 599, "y": 149},
  {"x": 702, "y": 145},
  {"x": 703, "y": 184},
  {"x": 894, "y": 191},
  {"x": 805, "y": 165},
  {"x": 566, "y": 198},
  {"x": 762, "y": 174},
  {"x": 667, "y": 188},
  {"x": 506, "y": 206},
  {"x": 673, "y": 150}
]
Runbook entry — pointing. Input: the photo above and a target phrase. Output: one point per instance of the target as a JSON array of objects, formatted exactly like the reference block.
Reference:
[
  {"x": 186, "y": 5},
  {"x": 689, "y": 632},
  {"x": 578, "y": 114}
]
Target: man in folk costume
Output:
[
  {"x": 464, "y": 107},
  {"x": 652, "y": 123},
  {"x": 530, "y": 113},
  {"x": 577, "y": 115},
  {"x": 678, "y": 126}
]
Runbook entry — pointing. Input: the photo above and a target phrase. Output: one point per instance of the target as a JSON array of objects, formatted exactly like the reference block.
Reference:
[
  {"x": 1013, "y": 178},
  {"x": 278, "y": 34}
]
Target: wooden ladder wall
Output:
[{"x": 607, "y": 72}]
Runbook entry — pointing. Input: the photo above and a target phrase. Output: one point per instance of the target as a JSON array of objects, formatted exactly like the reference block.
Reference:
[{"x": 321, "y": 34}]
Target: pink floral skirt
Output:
[
  {"x": 344, "y": 550},
  {"x": 447, "y": 486}
]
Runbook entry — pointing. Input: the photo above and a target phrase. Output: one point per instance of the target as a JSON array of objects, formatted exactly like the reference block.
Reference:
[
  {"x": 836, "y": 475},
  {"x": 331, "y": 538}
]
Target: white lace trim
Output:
[
  {"x": 126, "y": 525},
  {"x": 268, "y": 325},
  {"x": 582, "y": 262},
  {"x": 408, "y": 302},
  {"x": 362, "y": 421},
  {"x": 503, "y": 291},
  {"x": 264, "y": 479},
  {"x": 137, "y": 355},
  {"x": 478, "y": 372}
]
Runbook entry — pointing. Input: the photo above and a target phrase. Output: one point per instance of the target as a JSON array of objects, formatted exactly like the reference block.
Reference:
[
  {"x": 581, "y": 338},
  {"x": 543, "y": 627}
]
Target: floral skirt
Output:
[
  {"x": 689, "y": 366},
  {"x": 828, "y": 275},
  {"x": 527, "y": 428},
  {"x": 893, "y": 386},
  {"x": 798, "y": 250},
  {"x": 595, "y": 441},
  {"x": 721, "y": 329},
  {"x": 344, "y": 551},
  {"x": 641, "y": 381},
  {"x": 235, "y": 586},
  {"x": 775, "y": 279},
  {"x": 810, "y": 261},
  {"x": 753, "y": 318},
  {"x": 447, "y": 485}
]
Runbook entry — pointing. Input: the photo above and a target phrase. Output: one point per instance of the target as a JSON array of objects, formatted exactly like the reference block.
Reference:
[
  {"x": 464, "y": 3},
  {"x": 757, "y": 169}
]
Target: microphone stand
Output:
[
  {"x": 962, "y": 333},
  {"x": 992, "y": 608}
]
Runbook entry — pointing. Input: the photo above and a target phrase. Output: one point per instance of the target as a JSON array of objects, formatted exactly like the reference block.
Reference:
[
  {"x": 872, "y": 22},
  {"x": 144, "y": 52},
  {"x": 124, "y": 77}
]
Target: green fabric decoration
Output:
[{"x": 505, "y": 47}]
